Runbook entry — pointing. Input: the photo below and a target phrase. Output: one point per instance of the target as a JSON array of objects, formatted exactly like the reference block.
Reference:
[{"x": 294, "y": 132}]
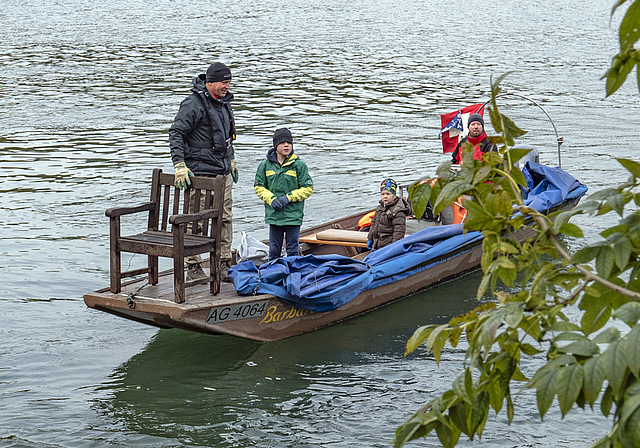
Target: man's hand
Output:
[
  {"x": 279, "y": 203},
  {"x": 369, "y": 244},
  {"x": 234, "y": 171},
  {"x": 182, "y": 176}
]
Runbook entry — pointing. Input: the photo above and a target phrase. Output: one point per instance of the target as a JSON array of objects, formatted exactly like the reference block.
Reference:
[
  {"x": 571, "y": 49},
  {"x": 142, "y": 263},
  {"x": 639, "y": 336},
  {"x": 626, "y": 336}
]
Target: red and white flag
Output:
[{"x": 454, "y": 126}]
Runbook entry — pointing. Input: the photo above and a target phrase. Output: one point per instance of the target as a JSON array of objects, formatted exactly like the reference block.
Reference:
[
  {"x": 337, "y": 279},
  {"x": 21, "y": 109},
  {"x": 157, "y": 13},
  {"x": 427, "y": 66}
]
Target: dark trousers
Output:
[{"x": 276, "y": 235}]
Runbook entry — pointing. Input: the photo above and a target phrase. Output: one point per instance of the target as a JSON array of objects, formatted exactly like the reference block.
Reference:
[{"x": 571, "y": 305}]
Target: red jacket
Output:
[{"x": 481, "y": 145}]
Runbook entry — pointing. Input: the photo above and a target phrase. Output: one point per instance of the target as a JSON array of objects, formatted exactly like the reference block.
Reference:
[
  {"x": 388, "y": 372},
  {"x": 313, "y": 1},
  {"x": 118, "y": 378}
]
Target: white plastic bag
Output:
[{"x": 252, "y": 249}]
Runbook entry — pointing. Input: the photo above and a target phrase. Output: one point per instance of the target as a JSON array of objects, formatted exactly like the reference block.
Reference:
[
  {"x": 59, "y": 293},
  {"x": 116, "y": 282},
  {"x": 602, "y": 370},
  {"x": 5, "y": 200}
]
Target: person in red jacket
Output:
[{"x": 477, "y": 137}]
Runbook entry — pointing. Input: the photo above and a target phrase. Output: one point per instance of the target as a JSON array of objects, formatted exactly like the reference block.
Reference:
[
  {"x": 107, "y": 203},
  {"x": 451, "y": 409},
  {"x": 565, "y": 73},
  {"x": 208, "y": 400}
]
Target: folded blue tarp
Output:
[{"x": 326, "y": 282}]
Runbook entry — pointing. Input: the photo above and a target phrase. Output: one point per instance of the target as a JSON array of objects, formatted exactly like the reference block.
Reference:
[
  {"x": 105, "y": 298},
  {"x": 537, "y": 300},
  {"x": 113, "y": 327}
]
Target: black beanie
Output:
[
  {"x": 218, "y": 72},
  {"x": 282, "y": 135},
  {"x": 476, "y": 117}
]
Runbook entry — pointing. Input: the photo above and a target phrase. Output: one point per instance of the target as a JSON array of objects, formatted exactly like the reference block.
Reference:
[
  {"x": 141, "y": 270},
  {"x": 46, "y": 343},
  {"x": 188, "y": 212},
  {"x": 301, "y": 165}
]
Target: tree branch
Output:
[{"x": 589, "y": 275}]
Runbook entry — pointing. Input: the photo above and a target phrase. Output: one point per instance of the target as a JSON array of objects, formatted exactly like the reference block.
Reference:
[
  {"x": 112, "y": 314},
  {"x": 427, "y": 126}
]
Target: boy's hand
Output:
[{"x": 279, "y": 203}]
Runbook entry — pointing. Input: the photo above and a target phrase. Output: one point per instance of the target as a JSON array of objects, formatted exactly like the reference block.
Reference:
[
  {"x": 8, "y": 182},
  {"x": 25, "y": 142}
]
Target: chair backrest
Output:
[{"x": 173, "y": 201}]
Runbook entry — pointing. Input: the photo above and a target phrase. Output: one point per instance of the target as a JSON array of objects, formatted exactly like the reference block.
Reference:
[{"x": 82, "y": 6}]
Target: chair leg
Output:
[
  {"x": 178, "y": 279},
  {"x": 153, "y": 273},
  {"x": 114, "y": 272},
  {"x": 214, "y": 270}
]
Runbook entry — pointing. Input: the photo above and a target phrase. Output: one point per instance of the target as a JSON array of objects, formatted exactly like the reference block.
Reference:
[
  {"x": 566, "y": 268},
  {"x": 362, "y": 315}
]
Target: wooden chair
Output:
[{"x": 176, "y": 243}]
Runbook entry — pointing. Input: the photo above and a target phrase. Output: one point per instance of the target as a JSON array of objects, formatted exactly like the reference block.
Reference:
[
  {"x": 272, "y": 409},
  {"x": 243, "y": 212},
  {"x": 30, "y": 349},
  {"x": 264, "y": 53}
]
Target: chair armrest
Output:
[
  {"x": 205, "y": 214},
  {"x": 119, "y": 211}
]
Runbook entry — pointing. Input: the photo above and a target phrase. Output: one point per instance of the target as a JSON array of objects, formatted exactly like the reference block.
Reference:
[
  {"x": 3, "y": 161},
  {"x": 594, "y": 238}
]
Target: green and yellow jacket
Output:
[{"x": 291, "y": 179}]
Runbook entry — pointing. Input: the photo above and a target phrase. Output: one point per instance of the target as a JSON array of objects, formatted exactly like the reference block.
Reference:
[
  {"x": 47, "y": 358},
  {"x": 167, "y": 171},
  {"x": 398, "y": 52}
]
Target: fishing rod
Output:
[{"x": 559, "y": 139}]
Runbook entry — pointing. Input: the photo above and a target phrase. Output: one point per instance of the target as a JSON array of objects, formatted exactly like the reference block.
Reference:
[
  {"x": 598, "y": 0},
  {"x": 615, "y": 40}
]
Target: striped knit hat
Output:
[{"x": 390, "y": 185}]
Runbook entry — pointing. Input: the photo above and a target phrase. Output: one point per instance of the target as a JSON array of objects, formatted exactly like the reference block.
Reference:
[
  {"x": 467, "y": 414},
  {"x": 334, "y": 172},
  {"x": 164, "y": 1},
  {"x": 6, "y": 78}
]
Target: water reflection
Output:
[{"x": 187, "y": 386}]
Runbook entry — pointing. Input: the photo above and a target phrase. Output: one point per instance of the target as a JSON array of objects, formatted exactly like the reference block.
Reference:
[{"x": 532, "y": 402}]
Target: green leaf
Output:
[
  {"x": 529, "y": 349},
  {"x": 515, "y": 154},
  {"x": 451, "y": 192},
  {"x": 448, "y": 435},
  {"x": 581, "y": 348},
  {"x": 614, "y": 361},
  {"x": 546, "y": 390},
  {"x": 531, "y": 326},
  {"x": 630, "y": 415},
  {"x": 459, "y": 386},
  {"x": 605, "y": 261},
  {"x": 418, "y": 337},
  {"x": 586, "y": 254},
  {"x": 477, "y": 217},
  {"x": 594, "y": 319},
  {"x": 434, "y": 342},
  {"x": 489, "y": 329},
  {"x": 629, "y": 313},
  {"x": 499, "y": 205},
  {"x": 479, "y": 410},
  {"x": 571, "y": 230},
  {"x": 420, "y": 195},
  {"x": 458, "y": 414},
  {"x": 495, "y": 393},
  {"x": 563, "y": 217},
  {"x": 621, "y": 66},
  {"x": 481, "y": 174},
  {"x": 616, "y": 202},
  {"x": 622, "y": 251},
  {"x": 570, "y": 379},
  {"x": 563, "y": 325},
  {"x": 630, "y": 27},
  {"x": 631, "y": 428},
  {"x": 513, "y": 314},
  {"x": 519, "y": 177},
  {"x": 593, "y": 379},
  {"x": 602, "y": 443},
  {"x": 632, "y": 349},
  {"x": 607, "y": 401},
  {"x": 569, "y": 336},
  {"x": 511, "y": 131},
  {"x": 418, "y": 426},
  {"x": 607, "y": 336},
  {"x": 631, "y": 165}
]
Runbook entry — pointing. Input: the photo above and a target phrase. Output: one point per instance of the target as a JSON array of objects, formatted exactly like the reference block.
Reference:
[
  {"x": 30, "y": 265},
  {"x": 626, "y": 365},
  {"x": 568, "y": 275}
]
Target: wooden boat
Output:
[{"x": 265, "y": 317}]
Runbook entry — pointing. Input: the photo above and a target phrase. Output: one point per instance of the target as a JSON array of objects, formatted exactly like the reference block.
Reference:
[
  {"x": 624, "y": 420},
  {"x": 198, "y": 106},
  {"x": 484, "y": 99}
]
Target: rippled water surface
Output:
[{"x": 88, "y": 90}]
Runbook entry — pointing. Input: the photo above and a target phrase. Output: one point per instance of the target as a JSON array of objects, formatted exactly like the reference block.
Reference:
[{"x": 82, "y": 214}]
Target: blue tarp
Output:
[{"x": 323, "y": 283}]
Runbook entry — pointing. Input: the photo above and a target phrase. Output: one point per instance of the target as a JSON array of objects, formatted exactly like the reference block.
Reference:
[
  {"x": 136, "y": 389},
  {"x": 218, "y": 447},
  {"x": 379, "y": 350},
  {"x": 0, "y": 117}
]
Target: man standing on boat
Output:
[
  {"x": 201, "y": 143},
  {"x": 477, "y": 137}
]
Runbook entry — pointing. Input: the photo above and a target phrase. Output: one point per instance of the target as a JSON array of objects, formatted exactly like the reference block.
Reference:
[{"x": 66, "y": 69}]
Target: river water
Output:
[{"x": 88, "y": 90}]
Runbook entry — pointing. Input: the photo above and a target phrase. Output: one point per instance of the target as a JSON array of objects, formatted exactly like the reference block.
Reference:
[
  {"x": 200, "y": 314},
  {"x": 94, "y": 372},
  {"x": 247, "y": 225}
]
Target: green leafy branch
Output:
[
  {"x": 628, "y": 57},
  {"x": 580, "y": 357}
]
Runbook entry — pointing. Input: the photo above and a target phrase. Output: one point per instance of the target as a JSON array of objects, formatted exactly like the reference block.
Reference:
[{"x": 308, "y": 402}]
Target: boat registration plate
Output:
[{"x": 234, "y": 312}]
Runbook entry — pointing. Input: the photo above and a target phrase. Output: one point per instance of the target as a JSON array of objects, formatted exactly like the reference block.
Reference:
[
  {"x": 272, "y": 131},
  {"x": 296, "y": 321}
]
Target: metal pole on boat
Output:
[{"x": 559, "y": 139}]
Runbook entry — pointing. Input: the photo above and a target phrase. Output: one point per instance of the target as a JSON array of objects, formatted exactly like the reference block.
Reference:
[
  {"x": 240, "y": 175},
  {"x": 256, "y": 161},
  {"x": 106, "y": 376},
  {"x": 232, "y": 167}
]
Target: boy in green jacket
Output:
[{"x": 283, "y": 183}]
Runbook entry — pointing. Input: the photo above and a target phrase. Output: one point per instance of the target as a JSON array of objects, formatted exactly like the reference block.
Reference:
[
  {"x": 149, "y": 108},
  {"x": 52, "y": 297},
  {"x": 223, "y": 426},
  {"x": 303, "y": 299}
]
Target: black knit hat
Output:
[
  {"x": 218, "y": 72},
  {"x": 282, "y": 135},
  {"x": 476, "y": 117}
]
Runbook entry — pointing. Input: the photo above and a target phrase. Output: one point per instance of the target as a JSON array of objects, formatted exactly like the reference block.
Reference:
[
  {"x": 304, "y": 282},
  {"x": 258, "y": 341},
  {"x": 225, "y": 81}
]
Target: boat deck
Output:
[{"x": 196, "y": 296}]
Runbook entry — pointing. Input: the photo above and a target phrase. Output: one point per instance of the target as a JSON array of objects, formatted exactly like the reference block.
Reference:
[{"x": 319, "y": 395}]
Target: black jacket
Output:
[{"x": 201, "y": 134}]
